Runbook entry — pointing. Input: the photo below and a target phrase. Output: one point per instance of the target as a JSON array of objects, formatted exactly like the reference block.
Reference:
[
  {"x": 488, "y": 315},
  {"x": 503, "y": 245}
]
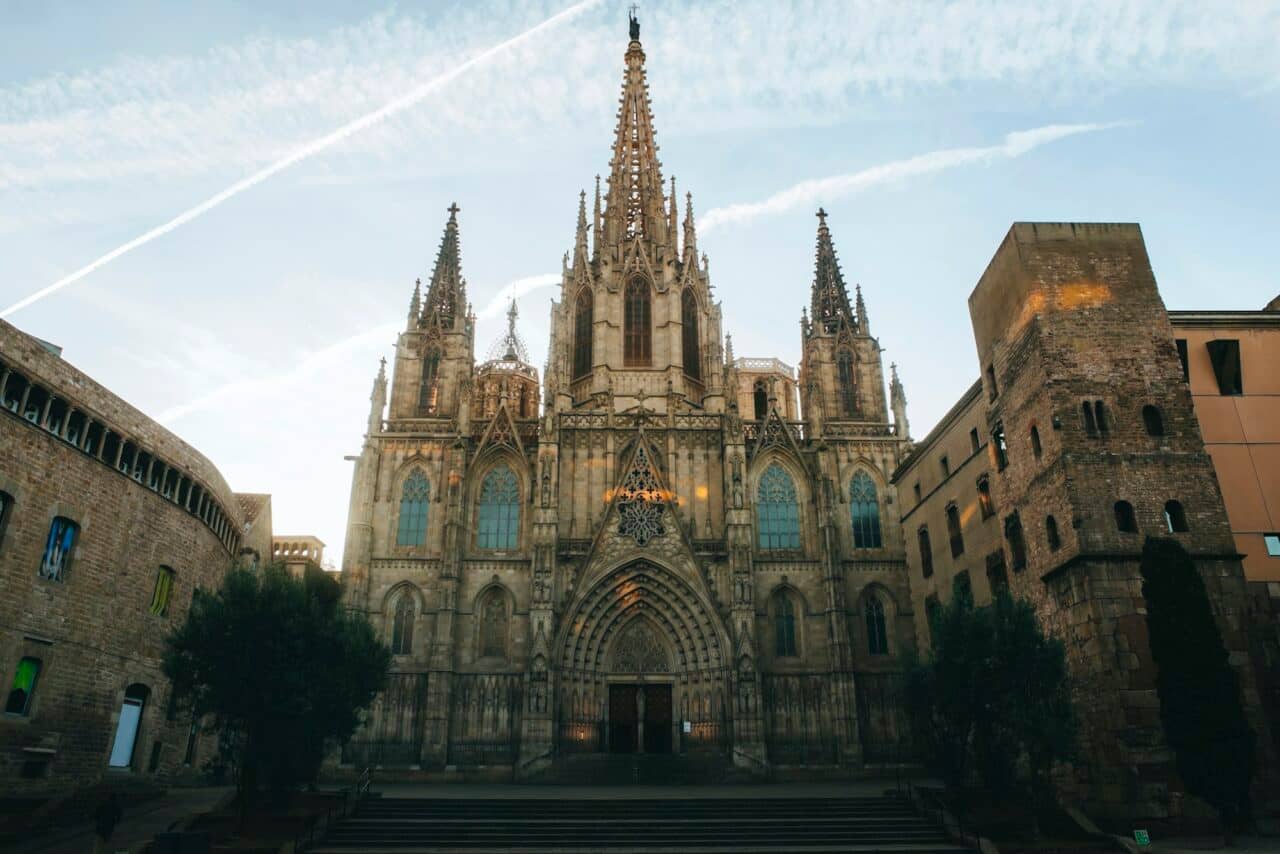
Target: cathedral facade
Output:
[{"x": 654, "y": 547}]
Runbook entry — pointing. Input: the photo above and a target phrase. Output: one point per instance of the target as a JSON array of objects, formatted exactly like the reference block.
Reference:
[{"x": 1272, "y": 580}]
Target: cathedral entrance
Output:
[{"x": 639, "y": 718}]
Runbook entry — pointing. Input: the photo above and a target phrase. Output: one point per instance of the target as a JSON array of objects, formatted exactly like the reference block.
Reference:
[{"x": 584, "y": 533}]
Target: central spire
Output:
[
  {"x": 447, "y": 293},
  {"x": 830, "y": 302}
]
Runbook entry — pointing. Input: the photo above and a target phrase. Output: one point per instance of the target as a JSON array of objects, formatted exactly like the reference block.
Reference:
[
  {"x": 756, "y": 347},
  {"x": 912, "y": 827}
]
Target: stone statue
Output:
[{"x": 635, "y": 25}]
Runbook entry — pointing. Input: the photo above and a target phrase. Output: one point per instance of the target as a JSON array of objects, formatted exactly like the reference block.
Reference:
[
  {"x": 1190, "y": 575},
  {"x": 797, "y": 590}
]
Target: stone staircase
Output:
[{"x": 620, "y": 823}]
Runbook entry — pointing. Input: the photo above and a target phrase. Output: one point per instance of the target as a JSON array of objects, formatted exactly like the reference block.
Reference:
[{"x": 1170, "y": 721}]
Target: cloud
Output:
[
  {"x": 820, "y": 190},
  {"x": 514, "y": 290}
]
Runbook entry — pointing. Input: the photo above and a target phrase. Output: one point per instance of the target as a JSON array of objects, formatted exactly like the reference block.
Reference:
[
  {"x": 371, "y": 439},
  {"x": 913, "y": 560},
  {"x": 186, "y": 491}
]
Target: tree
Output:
[
  {"x": 279, "y": 668},
  {"x": 1199, "y": 691}
]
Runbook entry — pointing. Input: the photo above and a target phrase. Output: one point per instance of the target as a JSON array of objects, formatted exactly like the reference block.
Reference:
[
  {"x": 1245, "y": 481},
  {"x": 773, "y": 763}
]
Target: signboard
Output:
[
  {"x": 688, "y": 727},
  {"x": 1142, "y": 837}
]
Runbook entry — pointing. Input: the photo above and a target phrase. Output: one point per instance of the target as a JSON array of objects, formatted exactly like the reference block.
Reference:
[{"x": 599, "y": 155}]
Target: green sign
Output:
[{"x": 1142, "y": 837}]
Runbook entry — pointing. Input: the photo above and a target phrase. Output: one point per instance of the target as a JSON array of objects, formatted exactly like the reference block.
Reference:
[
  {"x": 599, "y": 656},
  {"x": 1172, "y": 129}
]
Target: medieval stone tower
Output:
[{"x": 678, "y": 552}]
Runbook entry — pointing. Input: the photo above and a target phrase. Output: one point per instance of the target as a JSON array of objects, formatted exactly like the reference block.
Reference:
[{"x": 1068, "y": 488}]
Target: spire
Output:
[
  {"x": 635, "y": 202},
  {"x": 378, "y": 399},
  {"x": 672, "y": 216},
  {"x": 690, "y": 233},
  {"x": 898, "y": 401},
  {"x": 864, "y": 326},
  {"x": 580, "y": 246},
  {"x": 510, "y": 346},
  {"x": 596, "y": 233},
  {"x": 728, "y": 348},
  {"x": 830, "y": 297},
  {"x": 415, "y": 304},
  {"x": 447, "y": 293}
]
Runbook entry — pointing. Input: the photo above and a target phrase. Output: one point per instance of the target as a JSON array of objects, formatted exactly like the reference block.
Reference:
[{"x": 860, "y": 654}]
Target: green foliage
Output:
[
  {"x": 993, "y": 698},
  {"x": 1199, "y": 692},
  {"x": 279, "y": 668}
]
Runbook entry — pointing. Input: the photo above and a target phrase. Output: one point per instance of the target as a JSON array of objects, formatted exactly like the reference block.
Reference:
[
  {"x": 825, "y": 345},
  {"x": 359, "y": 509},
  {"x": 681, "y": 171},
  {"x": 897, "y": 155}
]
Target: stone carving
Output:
[
  {"x": 641, "y": 501},
  {"x": 639, "y": 651}
]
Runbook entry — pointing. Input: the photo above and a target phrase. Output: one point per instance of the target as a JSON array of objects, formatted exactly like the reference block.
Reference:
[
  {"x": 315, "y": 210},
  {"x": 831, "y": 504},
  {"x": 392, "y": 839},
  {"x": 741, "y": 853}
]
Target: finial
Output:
[
  {"x": 822, "y": 218},
  {"x": 453, "y": 211},
  {"x": 382, "y": 368}
]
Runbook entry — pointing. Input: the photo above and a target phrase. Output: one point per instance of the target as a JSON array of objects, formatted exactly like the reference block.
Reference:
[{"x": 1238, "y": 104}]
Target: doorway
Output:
[{"x": 631, "y": 705}]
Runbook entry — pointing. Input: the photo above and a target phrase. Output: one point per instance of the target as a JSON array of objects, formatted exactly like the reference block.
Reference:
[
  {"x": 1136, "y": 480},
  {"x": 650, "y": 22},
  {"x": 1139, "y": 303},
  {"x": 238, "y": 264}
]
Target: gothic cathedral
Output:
[{"x": 660, "y": 548}]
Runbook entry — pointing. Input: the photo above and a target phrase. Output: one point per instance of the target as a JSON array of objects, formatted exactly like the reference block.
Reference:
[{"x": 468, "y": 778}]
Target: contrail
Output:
[
  {"x": 513, "y": 290},
  {"x": 369, "y": 119}
]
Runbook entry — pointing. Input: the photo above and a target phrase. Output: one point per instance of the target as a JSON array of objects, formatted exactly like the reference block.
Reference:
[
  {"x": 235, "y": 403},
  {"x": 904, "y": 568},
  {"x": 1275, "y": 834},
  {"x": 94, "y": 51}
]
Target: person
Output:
[{"x": 105, "y": 819}]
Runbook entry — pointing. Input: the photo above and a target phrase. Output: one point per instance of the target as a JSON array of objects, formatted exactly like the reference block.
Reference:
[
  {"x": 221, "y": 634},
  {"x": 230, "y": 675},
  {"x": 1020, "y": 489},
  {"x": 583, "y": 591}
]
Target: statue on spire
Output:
[{"x": 635, "y": 23}]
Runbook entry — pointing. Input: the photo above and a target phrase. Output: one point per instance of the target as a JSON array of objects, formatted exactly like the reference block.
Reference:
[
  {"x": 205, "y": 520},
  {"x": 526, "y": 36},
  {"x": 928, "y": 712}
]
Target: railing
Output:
[
  {"x": 764, "y": 366},
  {"x": 317, "y": 825}
]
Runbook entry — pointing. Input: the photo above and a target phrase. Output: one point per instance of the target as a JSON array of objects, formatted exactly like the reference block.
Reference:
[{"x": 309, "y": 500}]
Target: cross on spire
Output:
[{"x": 453, "y": 210}]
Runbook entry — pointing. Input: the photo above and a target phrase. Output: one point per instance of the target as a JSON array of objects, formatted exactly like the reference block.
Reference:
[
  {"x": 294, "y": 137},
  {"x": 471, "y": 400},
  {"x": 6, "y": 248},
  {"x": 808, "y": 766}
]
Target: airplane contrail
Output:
[{"x": 369, "y": 119}]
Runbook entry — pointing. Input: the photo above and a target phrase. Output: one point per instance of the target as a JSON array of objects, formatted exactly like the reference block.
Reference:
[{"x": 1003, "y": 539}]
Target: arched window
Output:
[
  {"x": 122, "y": 749},
  {"x": 493, "y": 625},
  {"x": 848, "y": 388},
  {"x": 777, "y": 510},
  {"x": 429, "y": 392},
  {"x": 402, "y": 626},
  {"x": 926, "y": 552},
  {"x": 1152, "y": 421},
  {"x": 414, "y": 501},
  {"x": 953, "y": 531},
  {"x": 784, "y": 626},
  {"x": 865, "y": 512},
  {"x": 1175, "y": 518},
  {"x": 637, "y": 341},
  {"x": 1035, "y": 441},
  {"x": 1017, "y": 543},
  {"x": 1051, "y": 533},
  {"x": 877, "y": 635},
  {"x": 583, "y": 315},
  {"x": 760, "y": 398},
  {"x": 499, "y": 522},
  {"x": 1126, "y": 519},
  {"x": 692, "y": 352}
]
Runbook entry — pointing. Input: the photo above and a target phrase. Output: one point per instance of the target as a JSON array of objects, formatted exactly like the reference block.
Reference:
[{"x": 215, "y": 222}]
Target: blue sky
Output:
[{"x": 253, "y": 330}]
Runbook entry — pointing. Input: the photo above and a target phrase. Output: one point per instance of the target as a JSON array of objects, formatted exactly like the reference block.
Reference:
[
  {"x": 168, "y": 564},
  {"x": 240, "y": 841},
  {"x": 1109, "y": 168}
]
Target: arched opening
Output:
[
  {"x": 864, "y": 510},
  {"x": 429, "y": 391},
  {"x": 692, "y": 351},
  {"x": 877, "y": 633},
  {"x": 123, "y": 748},
  {"x": 760, "y": 399},
  {"x": 637, "y": 328},
  {"x": 1126, "y": 519},
  {"x": 415, "y": 499},
  {"x": 402, "y": 625},
  {"x": 784, "y": 626},
  {"x": 777, "y": 511},
  {"x": 493, "y": 624},
  {"x": 1152, "y": 421},
  {"x": 583, "y": 317},
  {"x": 848, "y": 387},
  {"x": 1175, "y": 518},
  {"x": 498, "y": 525}
]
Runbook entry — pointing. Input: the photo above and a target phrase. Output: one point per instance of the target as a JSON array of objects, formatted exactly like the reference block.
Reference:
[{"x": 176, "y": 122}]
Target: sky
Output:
[{"x": 218, "y": 210}]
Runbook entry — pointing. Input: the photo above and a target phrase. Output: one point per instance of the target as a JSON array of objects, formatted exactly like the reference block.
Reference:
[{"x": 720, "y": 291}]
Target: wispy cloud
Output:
[
  {"x": 515, "y": 290},
  {"x": 824, "y": 190}
]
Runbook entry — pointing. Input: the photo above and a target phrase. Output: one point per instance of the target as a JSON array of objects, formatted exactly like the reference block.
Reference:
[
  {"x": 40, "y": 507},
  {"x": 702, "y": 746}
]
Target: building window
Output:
[
  {"x": 777, "y": 510},
  {"x": 848, "y": 388},
  {"x": 784, "y": 627},
  {"x": 493, "y": 625},
  {"x": 945, "y": 464},
  {"x": 1000, "y": 446},
  {"x": 992, "y": 391},
  {"x": 415, "y": 498},
  {"x": 962, "y": 589},
  {"x": 429, "y": 392},
  {"x": 163, "y": 592},
  {"x": 57, "y": 549},
  {"x": 865, "y": 512},
  {"x": 135, "y": 700},
  {"x": 926, "y": 552},
  {"x": 1152, "y": 421},
  {"x": 953, "y": 531},
  {"x": 583, "y": 315},
  {"x": 915, "y": 489},
  {"x": 877, "y": 634},
  {"x": 637, "y": 341},
  {"x": 974, "y": 442},
  {"x": 1273, "y": 544},
  {"x": 1175, "y": 518},
  {"x": 1017, "y": 545},
  {"x": 23, "y": 687},
  {"x": 1181, "y": 344},
  {"x": 499, "y": 526},
  {"x": 691, "y": 350},
  {"x": 1126, "y": 519},
  {"x": 932, "y": 610},
  {"x": 997, "y": 577},
  {"x": 1051, "y": 533},
  {"x": 1101, "y": 414},
  {"x": 760, "y": 400},
  {"x": 1095, "y": 418},
  {"x": 6, "y": 510},
  {"x": 985, "y": 504},
  {"x": 1224, "y": 354},
  {"x": 402, "y": 626},
  {"x": 1036, "y": 449}
]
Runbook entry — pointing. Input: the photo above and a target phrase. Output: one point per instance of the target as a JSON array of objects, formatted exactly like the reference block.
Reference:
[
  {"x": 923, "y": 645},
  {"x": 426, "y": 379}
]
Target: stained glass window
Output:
[
  {"x": 57, "y": 549},
  {"x": 499, "y": 523},
  {"x": 865, "y": 512},
  {"x": 877, "y": 636},
  {"x": 583, "y": 316},
  {"x": 848, "y": 388},
  {"x": 415, "y": 498},
  {"x": 689, "y": 322},
  {"x": 637, "y": 342},
  {"x": 777, "y": 510}
]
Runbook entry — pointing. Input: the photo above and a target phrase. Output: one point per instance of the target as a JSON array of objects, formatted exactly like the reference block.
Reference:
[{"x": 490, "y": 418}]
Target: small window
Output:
[
  {"x": 23, "y": 687},
  {"x": 1126, "y": 519},
  {"x": 57, "y": 548},
  {"x": 163, "y": 592},
  {"x": 6, "y": 510},
  {"x": 985, "y": 504},
  {"x": 122, "y": 749},
  {"x": 1181, "y": 344},
  {"x": 1101, "y": 414},
  {"x": 926, "y": 553},
  {"x": 1051, "y": 533},
  {"x": 992, "y": 391},
  {"x": 962, "y": 588},
  {"x": 877, "y": 635},
  {"x": 932, "y": 610},
  {"x": 784, "y": 627},
  {"x": 1152, "y": 421},
  {"x": 1090, "y": 424},
  {"x": 946, "y": 466},
  {"x": 1224, "y": 354},
  {"x": 974, "y": 442},
  {"x": 1175, "y": 518},
  {"x": 953, "y": 531},
  {"x": 1000, "y": 446},
  {"x": 997, "y": 577},
  {"x": 1035, "y": 442},
  {"x": 1017, "y": 545},
  {"x": 1273, "y": 544},
  {"x": 915, "y": 489},
  {"x": 760, "y": 400}
]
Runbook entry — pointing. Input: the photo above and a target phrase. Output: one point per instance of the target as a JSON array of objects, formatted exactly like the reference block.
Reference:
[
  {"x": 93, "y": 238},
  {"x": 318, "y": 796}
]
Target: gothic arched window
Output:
[
  {"x": 499, "y": 518},
  {"x": 784, "y": 626},
  {"x": 848, "y": 389},
  {"x": 777, "y": 510},
  {"x": 583, "y": 315},
  {"x": 689, "y": 323},
  {"x": 493, "y": 625},
  {"x": 760, "y": 398},
  {"x": 414, "y": 500},
  {"x": 429, "y": 392},
  {"x": 877, "y": 635},
  {"x": 865, "y": 512},
  {"x": 402, "y": 626},
  {"x": 637, "y": 340}
]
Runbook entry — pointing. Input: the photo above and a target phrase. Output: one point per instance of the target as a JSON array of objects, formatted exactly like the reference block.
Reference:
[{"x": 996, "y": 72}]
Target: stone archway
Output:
[{"x": 645, "y": 644}]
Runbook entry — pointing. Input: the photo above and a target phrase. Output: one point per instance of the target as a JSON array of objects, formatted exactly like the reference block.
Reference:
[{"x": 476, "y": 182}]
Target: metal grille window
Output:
[
  {"x": 583, "y": 316},
  {"x": 864, "y": 510},
  {"x": 415, "y": 498},
  {"x": 689, "y": 322},
  {"x": 499, "y": 526},
  {"x": 637, "y": 340},
  {"x": 777, "y": 510}
]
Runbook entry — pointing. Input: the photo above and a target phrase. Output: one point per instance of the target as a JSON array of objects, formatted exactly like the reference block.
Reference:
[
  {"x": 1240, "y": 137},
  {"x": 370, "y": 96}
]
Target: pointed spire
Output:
[
  {"x": 415, "y": 304},
  {"x": 635, "y": 199},
  {"x": 510, "y": 347},
  {"x": 673, "y": 217},
  {"x": 898, "y": 402},
  {"x": 378, "y": 399},
  {"x": 580, "y": 244},
  {"x": 596, "y": 234},
  {"x": 830, "y": 302},
  {"x": 728, "y": 348},
  {"x": 447, "y": 295},
  {"x": 690, "y": 233},
  {"x": 864, "y": 325}
]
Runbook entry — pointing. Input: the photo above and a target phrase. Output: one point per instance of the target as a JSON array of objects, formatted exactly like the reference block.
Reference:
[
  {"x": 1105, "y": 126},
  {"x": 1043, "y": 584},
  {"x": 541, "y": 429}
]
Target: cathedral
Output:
[{"x": 653, "y": 548}]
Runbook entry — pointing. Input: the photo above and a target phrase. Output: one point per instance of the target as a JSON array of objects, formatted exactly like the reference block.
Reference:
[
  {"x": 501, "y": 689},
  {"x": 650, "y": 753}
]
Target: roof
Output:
[{"x": 252, "y": 504}]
